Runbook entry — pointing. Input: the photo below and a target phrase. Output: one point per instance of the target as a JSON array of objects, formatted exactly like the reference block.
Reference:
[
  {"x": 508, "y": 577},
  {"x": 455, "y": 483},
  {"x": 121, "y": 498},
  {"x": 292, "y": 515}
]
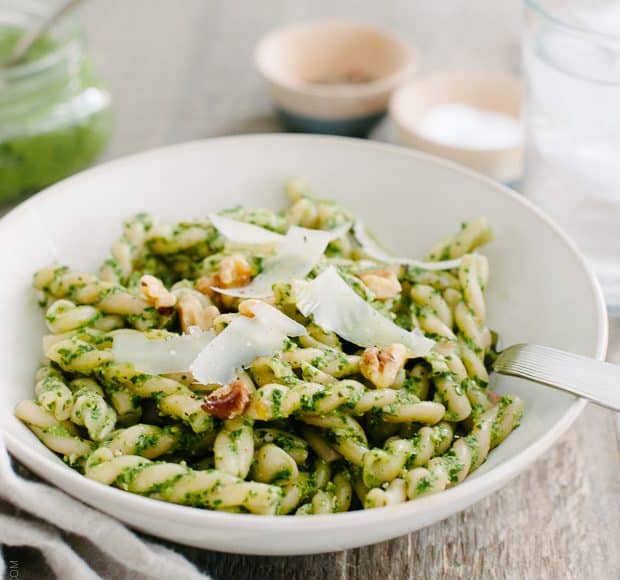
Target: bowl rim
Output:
[
  {"x": 97, "y": 494},
  {"x": 338, "y": 92},
  {"x": 419, "y": 84}
]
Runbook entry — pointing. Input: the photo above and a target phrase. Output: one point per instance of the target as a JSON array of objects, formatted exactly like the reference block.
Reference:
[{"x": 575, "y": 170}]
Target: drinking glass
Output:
[{"x": 571, "y": 62}]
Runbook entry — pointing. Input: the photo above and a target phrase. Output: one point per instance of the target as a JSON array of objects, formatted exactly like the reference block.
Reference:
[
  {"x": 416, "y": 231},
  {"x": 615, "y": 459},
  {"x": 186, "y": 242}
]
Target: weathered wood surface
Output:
[{"x": 183, "y": 70}]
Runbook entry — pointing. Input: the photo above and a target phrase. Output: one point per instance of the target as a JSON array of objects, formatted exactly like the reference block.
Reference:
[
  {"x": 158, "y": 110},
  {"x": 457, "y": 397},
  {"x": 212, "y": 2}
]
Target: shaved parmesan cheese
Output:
[
  {"x": 242, "y": 341},
  {"x": 336, "y": 307},
  {"x": 373, "y": 250},
  {"x": 172, "y": 354},
  {"x": 295, "y": 257},
  {"x": 275, "y": 319},
  {"x": 244, "y": 233}
]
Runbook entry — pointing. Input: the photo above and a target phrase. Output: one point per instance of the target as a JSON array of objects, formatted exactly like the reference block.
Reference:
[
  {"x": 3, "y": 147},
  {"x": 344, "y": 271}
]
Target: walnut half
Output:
[
  {"x": 232, "y": 272},
  {"x": 193, "y": 313},
  {"x": 381, "y": 366},
  {"x": 228, "y": 401},
  {"x": 156, "y": 293}
]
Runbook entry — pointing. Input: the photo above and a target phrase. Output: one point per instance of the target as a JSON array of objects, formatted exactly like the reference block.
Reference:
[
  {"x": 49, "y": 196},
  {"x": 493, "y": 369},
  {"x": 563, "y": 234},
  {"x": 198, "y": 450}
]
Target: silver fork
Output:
[{"x": 582, "y": 376}]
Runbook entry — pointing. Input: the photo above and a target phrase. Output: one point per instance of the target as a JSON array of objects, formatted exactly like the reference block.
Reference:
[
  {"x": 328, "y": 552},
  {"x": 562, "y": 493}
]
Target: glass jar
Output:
[{"x": 54, "y": 111}]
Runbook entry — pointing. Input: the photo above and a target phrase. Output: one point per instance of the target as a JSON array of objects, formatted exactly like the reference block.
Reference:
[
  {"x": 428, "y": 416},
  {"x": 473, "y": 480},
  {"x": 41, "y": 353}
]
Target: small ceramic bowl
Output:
[
  {"x": 493, "y": 93},
  {"x": 332, "y": 77}
]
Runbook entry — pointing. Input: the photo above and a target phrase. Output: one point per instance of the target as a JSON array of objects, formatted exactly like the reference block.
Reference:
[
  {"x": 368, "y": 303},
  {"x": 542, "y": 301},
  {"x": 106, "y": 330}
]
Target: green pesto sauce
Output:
[
  {"x": 423, "y": 485},
  {"x": 144, "y": 442},
  {"x": 284, "y": 442},
  {"x": 8, "y": 39},
  {"x": 32, "y": 158},
  {"x": 277, "y": 402},
  {"x": 282, "y": 475},
  {"x": 95, "y": 412}
]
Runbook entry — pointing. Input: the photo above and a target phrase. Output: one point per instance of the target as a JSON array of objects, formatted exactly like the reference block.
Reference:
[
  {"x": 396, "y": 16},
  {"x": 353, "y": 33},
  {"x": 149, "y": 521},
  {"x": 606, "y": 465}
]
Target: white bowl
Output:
[
  {"x": 540, "y": 291},
  {"x": 498, "y": 93}
]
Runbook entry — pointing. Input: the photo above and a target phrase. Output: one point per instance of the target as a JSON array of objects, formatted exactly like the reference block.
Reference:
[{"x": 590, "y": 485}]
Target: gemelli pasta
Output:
[{"x": 310, "y": 372}]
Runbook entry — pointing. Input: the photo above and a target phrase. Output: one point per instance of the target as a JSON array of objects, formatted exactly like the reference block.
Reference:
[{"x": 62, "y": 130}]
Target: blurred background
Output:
[{"x": 185, "y": 70}]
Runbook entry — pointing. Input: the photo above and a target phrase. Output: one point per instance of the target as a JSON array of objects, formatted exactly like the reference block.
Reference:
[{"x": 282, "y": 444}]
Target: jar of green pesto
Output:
[{"x": 54, "y": 111}]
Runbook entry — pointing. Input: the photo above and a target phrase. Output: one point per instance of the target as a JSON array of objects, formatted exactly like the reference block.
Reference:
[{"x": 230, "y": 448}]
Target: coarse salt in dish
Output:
[{"x": 459, "y": 125}]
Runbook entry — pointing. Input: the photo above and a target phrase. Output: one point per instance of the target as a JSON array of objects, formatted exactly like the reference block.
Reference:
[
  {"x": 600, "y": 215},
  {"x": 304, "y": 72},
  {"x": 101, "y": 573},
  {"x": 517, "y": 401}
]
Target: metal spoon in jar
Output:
[{"x": 31, "y": 36}]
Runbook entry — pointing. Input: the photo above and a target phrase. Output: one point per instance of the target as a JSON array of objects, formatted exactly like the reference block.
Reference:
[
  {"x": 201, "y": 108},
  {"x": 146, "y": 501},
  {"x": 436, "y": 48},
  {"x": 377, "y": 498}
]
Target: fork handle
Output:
[{"x": 585, "y": 377}]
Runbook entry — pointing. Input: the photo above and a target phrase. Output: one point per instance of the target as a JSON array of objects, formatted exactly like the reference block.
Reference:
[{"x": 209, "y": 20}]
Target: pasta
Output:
[{"x": 356, "y": 382}]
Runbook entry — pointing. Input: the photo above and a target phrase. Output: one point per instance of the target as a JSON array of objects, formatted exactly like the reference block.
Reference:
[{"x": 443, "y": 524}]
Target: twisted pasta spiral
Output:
[
  {"x": 108, "y": 298},
  {"x": 381, "y": 465},
  {"x": 172, "y": 398},
  {"x": 82, "y": 401},
  {"x": 467, "y": 453},
  {"x": 177, "y": 483},
  {"x": 274, "y": 401},
  {"x": 60, "y": 436}
]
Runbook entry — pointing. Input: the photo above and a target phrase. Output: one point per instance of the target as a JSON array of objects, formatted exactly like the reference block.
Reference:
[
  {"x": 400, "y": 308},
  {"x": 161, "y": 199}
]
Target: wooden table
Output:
[{"x": 183, "y": 70}]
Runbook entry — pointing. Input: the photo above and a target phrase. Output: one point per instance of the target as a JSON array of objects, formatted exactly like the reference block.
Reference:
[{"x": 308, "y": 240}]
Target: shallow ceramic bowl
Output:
[
  {"x": 489, "y": 92},
  {"x": 540, "y": 291},
  {"x": 303, "y": 65}
]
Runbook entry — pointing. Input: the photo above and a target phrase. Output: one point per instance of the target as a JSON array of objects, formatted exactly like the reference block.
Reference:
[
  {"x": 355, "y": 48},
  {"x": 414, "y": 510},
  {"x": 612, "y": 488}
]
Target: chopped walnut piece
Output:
[
  {"x": 383, "y": 283},
  {"x": 232, "y": 272},
  {"x": 228, "y": 401},
  {"x": 203, "y": 285},
  {"x": 193, "y": 313},
  {"x": 382, "y": 366},
  {"x": 156, "y": 293}
]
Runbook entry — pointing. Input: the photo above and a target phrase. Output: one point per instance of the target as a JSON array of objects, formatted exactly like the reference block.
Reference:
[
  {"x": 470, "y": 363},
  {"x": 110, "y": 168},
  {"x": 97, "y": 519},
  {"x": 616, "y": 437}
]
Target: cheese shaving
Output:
[
  {"x": 242, "y": 341},
  {"x": 243, "y": 233},
  {"x": 374, "y": 251},
  {"x": 295, "y": 257},
  {"x": 172, "y": 354},
  {"x": 335, "y": 307}
]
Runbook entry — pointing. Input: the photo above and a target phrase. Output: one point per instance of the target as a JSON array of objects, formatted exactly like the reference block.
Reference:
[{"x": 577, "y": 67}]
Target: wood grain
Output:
[{"x": 183, "y": 70}]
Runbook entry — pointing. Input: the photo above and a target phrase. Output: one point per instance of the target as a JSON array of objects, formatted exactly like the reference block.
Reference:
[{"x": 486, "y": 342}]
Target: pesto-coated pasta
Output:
[
  {"x": 316, "y": 424},
  {"x": 173, "y": 398}
]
